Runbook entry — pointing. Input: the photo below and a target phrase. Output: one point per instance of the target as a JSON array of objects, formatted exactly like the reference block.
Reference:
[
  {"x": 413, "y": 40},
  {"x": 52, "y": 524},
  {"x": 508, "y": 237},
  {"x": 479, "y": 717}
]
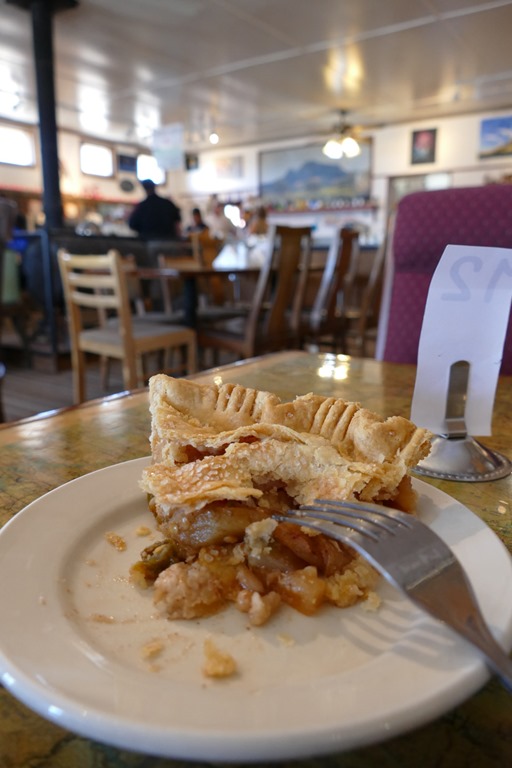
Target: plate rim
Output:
[{"x": 240, "y": 747}]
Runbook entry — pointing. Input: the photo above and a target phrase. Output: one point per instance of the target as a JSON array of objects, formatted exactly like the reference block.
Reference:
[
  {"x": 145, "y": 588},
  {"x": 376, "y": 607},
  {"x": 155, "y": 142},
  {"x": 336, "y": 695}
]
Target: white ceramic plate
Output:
[{"x": 73, "y": 631}]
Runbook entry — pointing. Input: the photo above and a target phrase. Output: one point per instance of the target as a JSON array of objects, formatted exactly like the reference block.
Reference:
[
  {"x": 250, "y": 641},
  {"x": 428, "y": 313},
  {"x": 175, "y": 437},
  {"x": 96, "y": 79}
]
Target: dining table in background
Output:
[
  {"x": 43, "y": 452},
  {"x": 190, "y": 274}
]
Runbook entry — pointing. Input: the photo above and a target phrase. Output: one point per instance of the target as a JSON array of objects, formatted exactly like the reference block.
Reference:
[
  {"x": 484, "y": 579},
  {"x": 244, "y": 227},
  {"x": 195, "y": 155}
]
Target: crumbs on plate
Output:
[
  {"x": 101, "y": 618},
  {"x": 116, "y": 541},
  {"x": 372, "y": 602},
  {"x": 152, "y": 649},
  {"x": 143, "y": 530},
  {"x": 217, "y": 663}
]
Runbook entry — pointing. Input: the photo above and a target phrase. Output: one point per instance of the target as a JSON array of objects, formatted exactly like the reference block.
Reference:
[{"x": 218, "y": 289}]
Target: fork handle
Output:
[
  {"x": 496, "y": 657},
  {"x": 478, "y": 635},
  {"x": 457, "y": 607}
]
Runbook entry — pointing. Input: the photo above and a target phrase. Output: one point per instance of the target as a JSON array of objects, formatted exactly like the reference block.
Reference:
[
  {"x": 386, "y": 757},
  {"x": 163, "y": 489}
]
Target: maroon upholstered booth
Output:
[{"x": 425, "y": 223}]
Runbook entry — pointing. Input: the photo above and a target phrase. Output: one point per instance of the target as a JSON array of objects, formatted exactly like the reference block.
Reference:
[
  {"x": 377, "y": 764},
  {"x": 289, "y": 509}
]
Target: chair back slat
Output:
[
  {"x": 94, "y": 300},
  {"x": 92, "y": 281},
  {"x": 345, "y": 265},
  {"x": 95, "y": 282},
  {"x": 324, "y": 322},
  {"x": 328, "y": 283},
  {"x": 362, "y": 321},
  {"x": 280, "y": 289}
]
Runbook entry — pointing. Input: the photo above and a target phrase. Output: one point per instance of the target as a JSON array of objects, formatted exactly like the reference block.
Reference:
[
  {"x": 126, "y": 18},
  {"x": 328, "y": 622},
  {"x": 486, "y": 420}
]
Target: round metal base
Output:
[{"x": 463, "y": 459}]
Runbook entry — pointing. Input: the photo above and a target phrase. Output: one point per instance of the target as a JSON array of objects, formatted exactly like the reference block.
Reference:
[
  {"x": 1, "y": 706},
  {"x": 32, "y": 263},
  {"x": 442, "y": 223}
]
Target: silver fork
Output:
[{"x": 414, "y": 560}]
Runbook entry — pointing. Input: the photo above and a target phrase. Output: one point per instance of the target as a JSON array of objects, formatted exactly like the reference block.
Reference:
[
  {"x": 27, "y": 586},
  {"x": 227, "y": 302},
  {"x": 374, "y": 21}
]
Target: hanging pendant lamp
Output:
[{"x": 343, "y": 144}]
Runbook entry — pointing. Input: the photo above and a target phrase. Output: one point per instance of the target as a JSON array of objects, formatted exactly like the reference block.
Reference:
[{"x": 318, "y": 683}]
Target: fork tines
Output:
[{"x": 366, "y": 518}]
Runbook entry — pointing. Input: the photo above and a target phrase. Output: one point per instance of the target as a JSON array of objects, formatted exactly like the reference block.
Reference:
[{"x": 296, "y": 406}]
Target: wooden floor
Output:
[
  {"x": 41, "y": 386},
  {"x": 27, "y": 391}
]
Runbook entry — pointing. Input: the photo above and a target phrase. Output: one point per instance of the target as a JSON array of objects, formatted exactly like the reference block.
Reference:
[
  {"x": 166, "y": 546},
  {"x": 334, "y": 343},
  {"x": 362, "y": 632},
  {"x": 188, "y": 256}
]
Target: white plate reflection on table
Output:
[{"x": 74, "y": 632}]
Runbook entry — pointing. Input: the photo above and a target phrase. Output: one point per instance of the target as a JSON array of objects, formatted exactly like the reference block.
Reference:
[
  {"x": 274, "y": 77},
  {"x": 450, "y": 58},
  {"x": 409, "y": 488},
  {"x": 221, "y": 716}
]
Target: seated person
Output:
[
  {"x": 218, "y": 223},
  {"x": 258, "y": 225},
  {"x": 198, "y": 223}
]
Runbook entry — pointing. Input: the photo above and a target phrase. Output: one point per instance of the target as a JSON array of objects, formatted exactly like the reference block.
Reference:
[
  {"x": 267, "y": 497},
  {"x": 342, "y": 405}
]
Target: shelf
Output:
[{"x": 339, "y": 209}]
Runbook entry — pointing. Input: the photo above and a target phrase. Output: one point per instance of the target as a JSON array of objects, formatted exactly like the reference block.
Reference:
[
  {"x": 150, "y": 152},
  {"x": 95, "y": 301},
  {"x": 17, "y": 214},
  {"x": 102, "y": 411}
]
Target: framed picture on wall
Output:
[
  {"x": 423, "y": 146},
  {"x": 495, "y": 137},
  {"x": 304, "y": 178},
  {"x": 191, "y": 162},
  {"x": 127, "y": 163},
  {"x": 229, "y": 167}
]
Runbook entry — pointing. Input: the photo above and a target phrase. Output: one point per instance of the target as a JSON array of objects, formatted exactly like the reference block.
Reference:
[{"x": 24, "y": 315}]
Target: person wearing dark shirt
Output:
[
  {"x": 155, "y": 218},
  {"x": 198, "y": 224}
]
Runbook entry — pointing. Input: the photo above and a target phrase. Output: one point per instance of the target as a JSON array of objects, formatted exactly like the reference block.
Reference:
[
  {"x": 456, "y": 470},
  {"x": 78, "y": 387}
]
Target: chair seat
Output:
[
  {"x": 216, "y": 314},
  {"x": 162, "y": 318},
  {"x": 141, "y": 330},
  {"x": 232, "y": 333},
  {"x": 234, "y": 326},
  {"x": 317, "y": 324},
  {"x": 204, "y": 315}
]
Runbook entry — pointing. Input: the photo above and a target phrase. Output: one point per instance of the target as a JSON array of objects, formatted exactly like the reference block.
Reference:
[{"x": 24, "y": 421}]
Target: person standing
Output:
[{"x": 155, "y": 218}]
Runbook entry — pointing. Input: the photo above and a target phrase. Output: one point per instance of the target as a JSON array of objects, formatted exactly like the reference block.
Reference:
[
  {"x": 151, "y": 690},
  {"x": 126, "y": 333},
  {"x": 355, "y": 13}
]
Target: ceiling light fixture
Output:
[
  {"x": 214, "y": 137},
  {"x": 344, "y": 144}
]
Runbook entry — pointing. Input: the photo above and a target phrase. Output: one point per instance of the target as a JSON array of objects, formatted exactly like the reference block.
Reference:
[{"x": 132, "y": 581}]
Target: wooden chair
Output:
[
  {"x": 362, "y": 321},
  {"x": 324, "y": 323},
  {"x": 274, "y": 316},
  {"x": 101, "y": 323}
]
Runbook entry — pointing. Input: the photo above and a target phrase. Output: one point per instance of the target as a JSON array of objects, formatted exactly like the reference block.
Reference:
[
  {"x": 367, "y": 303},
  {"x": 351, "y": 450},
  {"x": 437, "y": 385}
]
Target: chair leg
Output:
[
  {"x": 191, "y": 357},
  {"x": 167, "y": 359},
  {"x": 104, "y": 372},
  {"x": 20, "y": 325},
  {"x": 78, "y": 363},
  {"x": 132, "y": 373}
]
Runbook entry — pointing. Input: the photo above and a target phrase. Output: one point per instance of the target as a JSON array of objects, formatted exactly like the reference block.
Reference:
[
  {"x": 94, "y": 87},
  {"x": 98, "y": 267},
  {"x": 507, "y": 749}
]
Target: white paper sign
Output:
[
  {"x": 168, "y": 147},
  {"x": 466, "y": 317}
]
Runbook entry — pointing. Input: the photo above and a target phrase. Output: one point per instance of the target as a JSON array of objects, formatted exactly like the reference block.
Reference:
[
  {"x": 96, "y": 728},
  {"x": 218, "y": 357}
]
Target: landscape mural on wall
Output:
[
  {"x": 303, "y": 178},
  {"x": 495, "y": 137}
]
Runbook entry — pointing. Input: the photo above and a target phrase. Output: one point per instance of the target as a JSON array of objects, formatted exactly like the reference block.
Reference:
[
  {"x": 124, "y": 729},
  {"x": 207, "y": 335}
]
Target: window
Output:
[
  {"x": 96, "y": 160},
  {"x": 16, "y": 146},
  {"x": 148, "y": 168}
]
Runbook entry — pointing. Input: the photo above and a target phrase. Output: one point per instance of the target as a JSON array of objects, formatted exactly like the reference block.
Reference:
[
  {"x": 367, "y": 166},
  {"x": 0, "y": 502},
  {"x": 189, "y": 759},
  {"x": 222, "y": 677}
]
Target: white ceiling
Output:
[{"x": 260, "y": 70}]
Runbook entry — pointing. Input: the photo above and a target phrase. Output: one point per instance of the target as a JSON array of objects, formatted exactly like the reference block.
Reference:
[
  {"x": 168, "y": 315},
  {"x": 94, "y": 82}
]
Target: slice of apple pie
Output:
[{"x": 225, "y": 458}]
